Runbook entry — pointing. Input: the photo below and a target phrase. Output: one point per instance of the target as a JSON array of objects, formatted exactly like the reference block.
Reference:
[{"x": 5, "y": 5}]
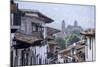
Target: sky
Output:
[{"x": 84, "y": 14}]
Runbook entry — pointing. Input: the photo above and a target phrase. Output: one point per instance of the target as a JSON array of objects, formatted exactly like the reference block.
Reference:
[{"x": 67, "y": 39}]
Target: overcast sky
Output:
[{"x": 85, "y": 15}]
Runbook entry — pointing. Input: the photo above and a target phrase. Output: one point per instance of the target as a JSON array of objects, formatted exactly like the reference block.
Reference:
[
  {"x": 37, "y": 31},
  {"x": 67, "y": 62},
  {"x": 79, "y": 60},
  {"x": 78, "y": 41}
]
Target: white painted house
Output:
[
  {"x": 90, "y": 48},
  {"x": 29, "y": 45}
]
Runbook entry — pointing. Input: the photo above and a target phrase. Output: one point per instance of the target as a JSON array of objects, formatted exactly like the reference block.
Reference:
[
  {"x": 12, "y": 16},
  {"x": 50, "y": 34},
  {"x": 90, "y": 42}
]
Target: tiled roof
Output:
[
  {"x": 89, "y": 32},
  {"x": 51, "y": 31},
  {"x": 28, "y": 38},
  {"x": 38, "y": 15},
  {"x": 52, "y": 42},
  {"x": 79, "y": 45}
]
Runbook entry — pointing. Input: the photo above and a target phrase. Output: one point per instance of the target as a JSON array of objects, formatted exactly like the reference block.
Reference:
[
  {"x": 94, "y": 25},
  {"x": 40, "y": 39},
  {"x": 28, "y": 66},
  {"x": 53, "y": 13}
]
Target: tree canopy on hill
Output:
[
  {"x": 61, "y": 43},
  {"x": 72, "y": 39}
]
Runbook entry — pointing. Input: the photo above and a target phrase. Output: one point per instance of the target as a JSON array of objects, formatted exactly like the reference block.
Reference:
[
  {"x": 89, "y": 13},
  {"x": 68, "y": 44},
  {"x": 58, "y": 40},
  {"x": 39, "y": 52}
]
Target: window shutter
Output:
[{"x": 17, "y": 19}]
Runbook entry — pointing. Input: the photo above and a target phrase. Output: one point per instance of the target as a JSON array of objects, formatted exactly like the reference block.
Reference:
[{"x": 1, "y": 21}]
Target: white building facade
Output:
[
  {"x": 90, "y": 46},
  {"x": 90, "y": 49}
]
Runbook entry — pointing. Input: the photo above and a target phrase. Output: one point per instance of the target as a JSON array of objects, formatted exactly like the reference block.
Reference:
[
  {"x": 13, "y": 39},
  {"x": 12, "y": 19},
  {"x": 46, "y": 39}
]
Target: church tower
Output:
[
  {"x": 75, "y": 23},
  {"x": 63, "y": 27}
]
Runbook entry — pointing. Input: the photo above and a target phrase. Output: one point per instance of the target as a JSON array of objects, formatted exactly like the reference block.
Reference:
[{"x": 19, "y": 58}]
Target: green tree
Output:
[
  {"x": 72, "y": 39},
  {"x": 61, "y": 43}
]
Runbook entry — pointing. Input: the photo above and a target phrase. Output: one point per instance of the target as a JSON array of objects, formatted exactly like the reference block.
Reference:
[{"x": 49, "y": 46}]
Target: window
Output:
[
  {"x": 17, "y": 19},
  {"x": 36, "y": 27},
  {"x": 33, "y": 27},
  {"x": 90, "y": 43},
  {"x": 73, "y": 50}
]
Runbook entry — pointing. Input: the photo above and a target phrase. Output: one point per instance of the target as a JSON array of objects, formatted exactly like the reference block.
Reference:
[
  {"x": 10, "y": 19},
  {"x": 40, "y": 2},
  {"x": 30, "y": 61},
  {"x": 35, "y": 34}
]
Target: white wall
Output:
[
  {"x": 94, "y": 50},
  {"x": 61, "y": 60},
  {"x": 90, "y": 53},
  {"x": 42, "y": 52}
]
